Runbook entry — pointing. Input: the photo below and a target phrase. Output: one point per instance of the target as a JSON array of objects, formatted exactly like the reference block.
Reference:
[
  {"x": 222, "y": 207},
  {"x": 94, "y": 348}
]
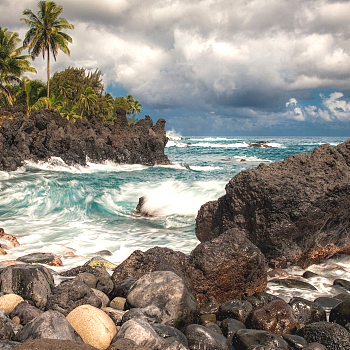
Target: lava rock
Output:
[
  {"x": 70, "y": 294},
  {"x": 237, "y": 309},
  {"x": 31, "y": 282},
  {"x": 41, "y": 258},
  {"x": 167, "y": 291},
  {"x": 306, "y": 311},
  {"x": 340, "y": 313},
  {"x": 276, "y": 317},
  {"x": 122, "y": 288},
  {"x": 276, "y": 204},
  {"x": 295, "y": 341},
  {"x": 228, "y": 267},
  {"x": 200, "y": 337}
]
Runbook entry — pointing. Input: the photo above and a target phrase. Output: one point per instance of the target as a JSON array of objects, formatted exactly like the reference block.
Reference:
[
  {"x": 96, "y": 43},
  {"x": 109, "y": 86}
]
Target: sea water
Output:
[{"x": 77, "y": 211}]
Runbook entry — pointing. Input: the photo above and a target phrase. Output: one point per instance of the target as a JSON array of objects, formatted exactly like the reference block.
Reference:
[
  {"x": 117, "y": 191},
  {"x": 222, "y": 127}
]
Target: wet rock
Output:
[
  {"x": 214, "y": 327},
  {"x": 343, "y": 283},
  {"x": 9, "y": 301},
  {"x": 31, "y": 282},
  {"x": 10, "y": 241},
  {"x": 2, "y": 251},
  {"x": 306, "y": 311},
  {"x": 327, "y": 302},
  {"x": 169, "y": 293},
  {"x": 41, "y": 258},
  {"x": 293, "y": 283},
  {"x": 122, "y": 288},
  {"x": 244, "y": 339},
  {"x": 295, "y": 341},
  {"x": 46, "y": 134},
  {"x": 70, "y": 294},
  {"x": 276, "y": 204},
  {"x": 278, "y": 273},
  {"x": 228, "y": 267},
  {"x": 50, "y": 324},
  {"x": 151, "y": 314},
  {"x": 50, "y": 344},
  {"x": 276, "y": 317},
  {"x": 25, "y": 312},
  {"x": 331, "y": 335},
  {"x": 237, "y": 309},
  {"x": 94, "y": 326},
  {"x": 100, "y": 262},
  {"x": 260, "y": 299},
  {"x": 340, "y": 313},
  {"x": 230, "y": 327},
  {"x": 200, "y": 337},
  {"x": 309, "y": 274},
  {"x": 207, "y": 318},
  {"x": 154, "y": 259},
  {"x": 170, "y": 334}
]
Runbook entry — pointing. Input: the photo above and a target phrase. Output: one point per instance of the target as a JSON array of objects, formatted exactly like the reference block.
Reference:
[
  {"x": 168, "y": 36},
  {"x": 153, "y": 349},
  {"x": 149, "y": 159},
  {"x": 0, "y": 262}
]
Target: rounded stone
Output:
[
  {"x": 118, "y": 303},
  {"x": 93, "y": 325},
  {"x": 9, "y": 301}
]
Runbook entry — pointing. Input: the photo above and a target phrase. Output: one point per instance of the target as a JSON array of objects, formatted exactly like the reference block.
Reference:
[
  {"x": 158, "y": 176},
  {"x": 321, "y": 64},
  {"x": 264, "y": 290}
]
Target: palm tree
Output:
[
  {"x": 45, "y": 33},
  {"x": 87, "y": 99},
  {"x": 12, "y": 63}
]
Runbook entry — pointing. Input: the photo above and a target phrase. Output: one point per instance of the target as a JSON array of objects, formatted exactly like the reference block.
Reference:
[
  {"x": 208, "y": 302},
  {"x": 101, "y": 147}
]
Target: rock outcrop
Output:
[
  {"x": 295, "y": 211},
  {"x": 46, "y": 134}
]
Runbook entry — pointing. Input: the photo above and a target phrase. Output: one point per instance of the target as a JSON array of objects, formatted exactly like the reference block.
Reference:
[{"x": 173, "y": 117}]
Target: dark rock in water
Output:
[
  {"x": 295, "y": 341},
  {"x": 41, "y": 258},
  {"x": 8, "y": 344},
  {"x": 276, "y": 204},
  {"x": 259, "y": 144},
  {"x": 341, "y": 313},
  {"x": 306, "y": 311},
  {"x": 342, "y": 297},
  {"x": 246, "y": 338},
  {"x": 327, "y": 302},
  {"x": 228, "y": 267},
  {"x": 343, "y": 283},
  {"x": 31, "y": 282},
  {"x": 70, "y": 294},
  {"x": 25, "y": 312},
  {"x": 51, "y": 324},
  {"x": 169, "y": 293},
  {"x": 293, "y": 283},
  {"x": 200, "y": 337},
  {"x": 331, "y": 335},
  {"x": 309, "y": 274},
  {"x": 276, "y": 317},
  {"x": 46, "y": 134},
  {"x": 155, "y": 259},
  {"x": 50, "y": 344},
  {"x": 237, "y": 309}
]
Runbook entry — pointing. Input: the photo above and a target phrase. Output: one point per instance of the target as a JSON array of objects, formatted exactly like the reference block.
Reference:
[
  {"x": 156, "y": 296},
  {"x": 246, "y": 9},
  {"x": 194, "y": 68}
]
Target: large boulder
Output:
[
  {"x": 70, "y": 294},
  {"x": 33, "y": 282},
  {"x": 227, "y": 267},
  {"x": 168, "y": 292},
  {"x": 277, "y": 204},
  {"x": 25, "y": 312},
  {"x": 46, "y": 134},
  {"x": 51, "y": 324}
]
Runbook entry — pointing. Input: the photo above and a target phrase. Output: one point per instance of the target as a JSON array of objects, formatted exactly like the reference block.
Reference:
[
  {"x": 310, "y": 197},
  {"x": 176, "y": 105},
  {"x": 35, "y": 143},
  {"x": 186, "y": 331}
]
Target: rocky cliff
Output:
[
  {"x": 46, "y": 134},
  {"x": 295, "y": 211}
]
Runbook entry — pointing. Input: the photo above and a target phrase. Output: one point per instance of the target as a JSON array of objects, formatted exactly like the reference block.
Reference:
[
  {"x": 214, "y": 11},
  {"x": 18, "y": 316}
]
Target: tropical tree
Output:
[
  {"x": 45, "y": 33},
  {"x": 87, "y": 99},
  {"x": 12, "y": 63}
]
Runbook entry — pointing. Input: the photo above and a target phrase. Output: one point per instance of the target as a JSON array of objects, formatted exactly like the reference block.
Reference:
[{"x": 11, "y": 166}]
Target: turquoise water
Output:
[{"x": 78, "y": 211}]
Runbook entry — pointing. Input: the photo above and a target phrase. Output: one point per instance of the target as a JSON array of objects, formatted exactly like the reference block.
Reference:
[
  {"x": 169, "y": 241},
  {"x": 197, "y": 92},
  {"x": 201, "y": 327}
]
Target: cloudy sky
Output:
[{"x": 215, "y": 67}]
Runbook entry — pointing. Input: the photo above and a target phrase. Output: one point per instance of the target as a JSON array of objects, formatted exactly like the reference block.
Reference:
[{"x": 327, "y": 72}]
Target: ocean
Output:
[{"x": 76, "y": 211}]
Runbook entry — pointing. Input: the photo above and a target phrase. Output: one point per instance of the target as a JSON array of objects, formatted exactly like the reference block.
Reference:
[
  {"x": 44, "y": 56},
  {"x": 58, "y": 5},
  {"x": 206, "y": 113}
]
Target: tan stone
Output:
[
  {"x": 9, "y": 301},
  {"x": 118, "y": 303},
  {"x": 93, "y": 325}
]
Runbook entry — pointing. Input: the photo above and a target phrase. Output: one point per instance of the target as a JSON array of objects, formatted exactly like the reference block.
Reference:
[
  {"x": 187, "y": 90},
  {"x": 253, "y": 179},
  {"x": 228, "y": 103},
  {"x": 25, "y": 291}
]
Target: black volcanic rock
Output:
[
  {"x": 46, "y": 134},
  {"x": 295, "y": 211}
]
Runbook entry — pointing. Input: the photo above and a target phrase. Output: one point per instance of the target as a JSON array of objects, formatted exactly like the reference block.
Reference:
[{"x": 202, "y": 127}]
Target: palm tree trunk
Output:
[{"x": 48, "y": 73}]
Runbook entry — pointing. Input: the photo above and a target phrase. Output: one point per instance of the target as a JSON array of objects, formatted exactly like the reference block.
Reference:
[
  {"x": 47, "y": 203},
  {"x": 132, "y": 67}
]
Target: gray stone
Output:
[{"x": 306, "y": 311}]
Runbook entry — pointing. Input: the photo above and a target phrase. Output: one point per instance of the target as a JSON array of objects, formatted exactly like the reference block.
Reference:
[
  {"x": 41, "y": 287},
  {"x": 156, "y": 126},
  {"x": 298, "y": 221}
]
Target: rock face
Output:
[
  {"x": 46, "y": 134},
  {"x": 277, "y": 205}
]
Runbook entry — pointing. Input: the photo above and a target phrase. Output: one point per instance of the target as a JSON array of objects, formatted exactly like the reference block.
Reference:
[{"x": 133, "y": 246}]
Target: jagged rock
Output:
[
  {"x": 31, "y": 282},
  {"x": 227, "y": 267},
  {"x": 98, "y": 261},
  {"x": 306, "y": 311},
  {"x": 200, "y": 337},
  {"x": 50, "y": 324},
  {"x": 10, "y": 241},
  {"x": 331, "y": 335},
  {"x": 25, "y": 312},
  {"x": 168, "y": 292},
  {"x": 93, "y": 325},
  {"x": 276, "y": 204},
  {"x": 276, "y": 317},
  {"x": 155, "y": 259},
  {"x": 46, "y": 134},
  {"x": 41, "y": 258},
  {"x": 50, "y": 344},
  {"x": 70, "y": 294}
]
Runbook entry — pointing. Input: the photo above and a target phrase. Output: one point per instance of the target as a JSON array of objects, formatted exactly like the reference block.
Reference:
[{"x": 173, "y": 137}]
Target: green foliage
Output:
[
  {"x": 12, "y": 64},
  {"x": 45, "y": 34}
]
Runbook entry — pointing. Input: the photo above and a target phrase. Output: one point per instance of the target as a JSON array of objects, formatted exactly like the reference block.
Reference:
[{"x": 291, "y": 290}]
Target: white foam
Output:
[
  {"x": 204, "y": 168},
  {"x": 173, "y": 135}
]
